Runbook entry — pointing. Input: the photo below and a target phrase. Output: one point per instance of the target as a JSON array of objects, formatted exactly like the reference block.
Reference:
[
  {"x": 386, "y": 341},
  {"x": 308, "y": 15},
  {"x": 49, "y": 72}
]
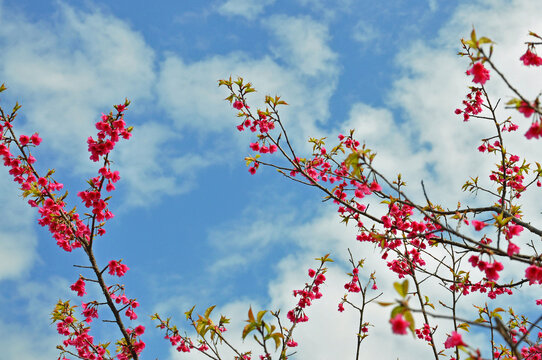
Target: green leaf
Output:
[
  {"x": 382, "y": 303},
  {"x": 277, "y": 337},
  {"x": 484, "y": 40},
  {"x": 209, "y": 311},
  {"x": 3, "y": 87},
  {"x": 473, "y": 35},
  {"x": 260, "y": 315},
  {"x": 189, "y": 312},
  {"x": 408, "y": 317},
  {"x": 401, "y": 288},
  {"x": 250, "y": 315},
  {"x": 250, "y": 327}
]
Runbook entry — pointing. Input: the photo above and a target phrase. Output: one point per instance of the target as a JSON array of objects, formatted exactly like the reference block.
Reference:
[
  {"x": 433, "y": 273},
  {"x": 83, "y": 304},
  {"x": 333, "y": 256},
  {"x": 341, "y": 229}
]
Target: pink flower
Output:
[
  {"x": 291, "y": 343},
  {"x": 535, "y": 131},
  {"x": 525, "y": 109},
  {"x": 23, "y": 139},
  {"x": 36, "y": 140},
  {"x": 492, "y": 270},
  {"x": 312, "y": 272},
  {"x": 131, "y": 314},
  {"x": 238, "y": 105},
  {"x": 139, "y": 330},
  {"x": 512, "y": 249},
  {"x": 399, "y": 325},
  {"x": 480, "y": 73},
  {"x": 117, "y": 268},
  {"x": 454, "y": 340},
  {"x": 79, "y": 287},
  {"x": 513, "y": 230},
  {"x": 375, "y": 186},
  {"x": 341, "y": 307},
  {"x": 478, "y": 225},
  {"x": 534, "y": 274},
  {"x": 42, "y": 182},
  {"x": 530, "y": 58}
]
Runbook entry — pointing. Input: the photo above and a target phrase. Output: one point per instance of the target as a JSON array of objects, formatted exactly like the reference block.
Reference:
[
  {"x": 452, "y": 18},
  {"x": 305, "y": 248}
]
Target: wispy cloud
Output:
[
  {"x": 248, "y": 9},
  {"x": 17, "y": 238}
]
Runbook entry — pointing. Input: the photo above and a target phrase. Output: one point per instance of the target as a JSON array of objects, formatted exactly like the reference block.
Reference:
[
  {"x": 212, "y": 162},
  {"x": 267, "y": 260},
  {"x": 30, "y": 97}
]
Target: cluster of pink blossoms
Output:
[
  {"x": 129, "y": 304},
  {"x": 307, "y": 295},
  {"x": 454, "y": 340},
  {"x": 473, "y": 104},
  {"x": 530, "y": 58},
  {"x": 399, "y": 325},
  {"x": 534, "y": 274},
  {"x": 262, "y": 124},
  {"x": 353, "y": 286},
  {"x": 425, "y": 332},
  {"x": 117, "y": 268},
  {"x": 65, "y": 227},
  {"x": 479, "y": 72},
  {"x": 111, "y": 129}
]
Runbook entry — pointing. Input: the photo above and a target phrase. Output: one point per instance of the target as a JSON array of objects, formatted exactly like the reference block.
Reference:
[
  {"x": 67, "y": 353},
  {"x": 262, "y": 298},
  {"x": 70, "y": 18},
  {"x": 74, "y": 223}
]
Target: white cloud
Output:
[
  {"x": 303, "y": 72},
  {"x": 31, "y": 335},
  {"x": 17, "y": 237},
  {"x": 65, "y": 73},
  {"x": 246, "y": 8},
  {"x": 365, "y": 33},
  {"x": 152, "y": 168},
  {"x": 325, "y": 10},
  {"x": 303, "y": 44}
]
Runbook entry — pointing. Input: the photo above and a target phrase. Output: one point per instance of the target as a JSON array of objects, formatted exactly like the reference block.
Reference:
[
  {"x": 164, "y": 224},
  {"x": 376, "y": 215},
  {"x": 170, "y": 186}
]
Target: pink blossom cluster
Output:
[
  {"x": 263, "y": 123},
  {"x": 534, "y": 274},
  {"x": 117, "y": 268},
  {"x": 479, "y": 72},
  {"x": 535, "y": 131},
  {"x": 67, "y": 228},
  {"x": 425, "y": 332},
  {"x": 129, "y": 304},
  {"x": 90, "y": 311},
  {"x": 111, "y": 128},
  {"x": 79, "y": 287},
  {"x": 92, "y": 199},
  {"x": 399, "y": 325},
  {"x": 353, "y": 286},
  {"x": 306, "y": 296},
  {"x": 473, "y": 104},
  {"x": 454, "y": 340},
  {"x": 180, "y": 343},
  {"x": 530, "y": 58},
  {"x": 491, "y": 269}
]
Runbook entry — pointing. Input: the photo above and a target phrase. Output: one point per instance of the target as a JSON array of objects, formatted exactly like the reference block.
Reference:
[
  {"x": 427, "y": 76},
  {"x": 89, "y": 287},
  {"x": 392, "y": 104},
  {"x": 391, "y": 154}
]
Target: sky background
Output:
[{"x": 190, "y": 221}]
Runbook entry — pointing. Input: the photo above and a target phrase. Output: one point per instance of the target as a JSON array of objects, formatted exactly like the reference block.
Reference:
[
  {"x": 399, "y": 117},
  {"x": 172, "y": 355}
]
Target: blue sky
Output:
[{"x": 192, "y": 224}]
